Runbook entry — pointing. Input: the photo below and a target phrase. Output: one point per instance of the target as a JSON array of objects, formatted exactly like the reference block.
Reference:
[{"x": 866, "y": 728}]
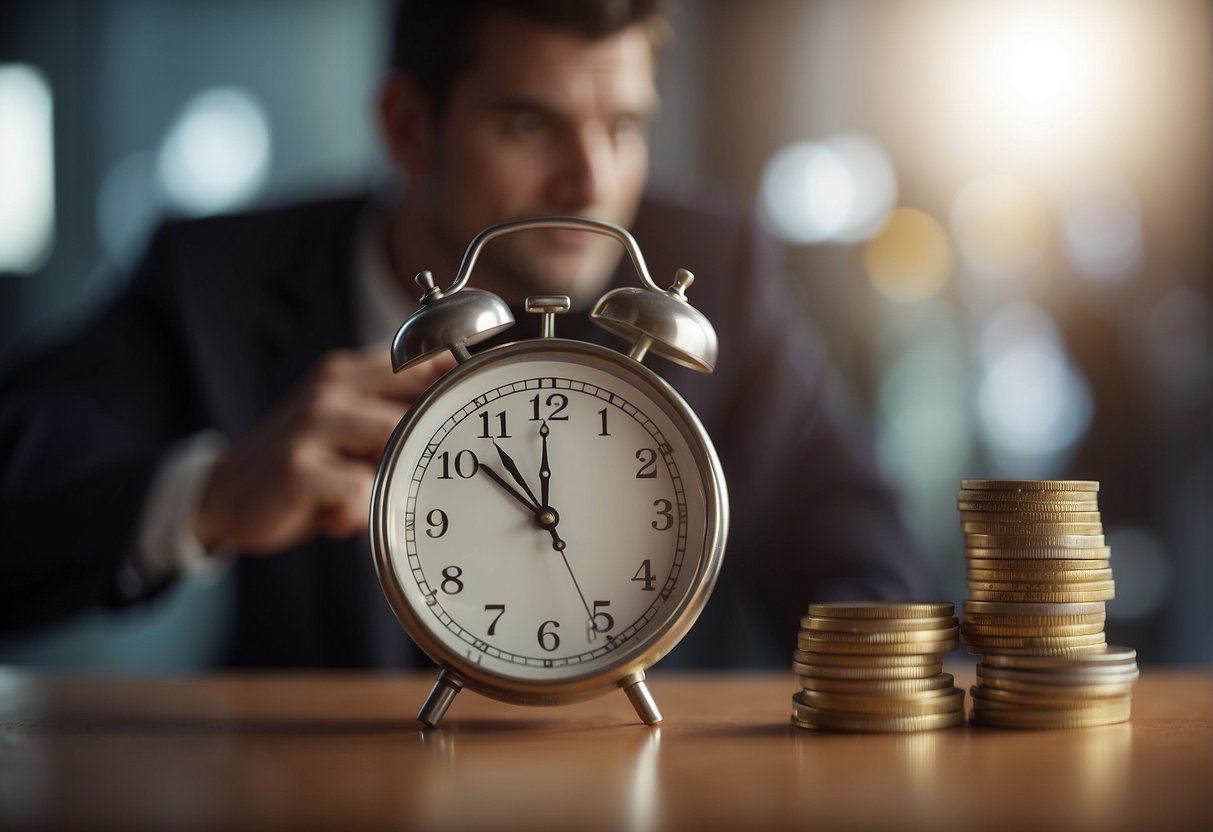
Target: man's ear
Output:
[{"x": 406, "y": 120}]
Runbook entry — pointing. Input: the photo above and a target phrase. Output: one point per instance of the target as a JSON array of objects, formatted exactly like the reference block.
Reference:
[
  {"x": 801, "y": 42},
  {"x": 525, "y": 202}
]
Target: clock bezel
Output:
[{"x": 639, "y": 653}]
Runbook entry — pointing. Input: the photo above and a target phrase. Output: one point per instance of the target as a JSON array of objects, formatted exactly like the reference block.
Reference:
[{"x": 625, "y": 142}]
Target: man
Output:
[{"x": 227, "y": 413}]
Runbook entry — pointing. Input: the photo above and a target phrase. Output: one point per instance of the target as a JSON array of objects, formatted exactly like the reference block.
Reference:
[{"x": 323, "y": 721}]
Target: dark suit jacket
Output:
[{"x": 225, "y": 314}]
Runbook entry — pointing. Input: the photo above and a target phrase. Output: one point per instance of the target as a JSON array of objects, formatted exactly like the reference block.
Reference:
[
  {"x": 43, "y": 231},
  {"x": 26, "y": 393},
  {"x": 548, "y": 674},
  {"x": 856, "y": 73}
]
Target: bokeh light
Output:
[
  {"x": 923, "y": 424},
  {"x": 910, "y": 258},
  {"x": 1033, "y": 403},
  {"x": 1101, "y": 229},
  {"x": 216, "y": 155},
  {"x": 1040, "y": 66},
  {"x": 839, "y": 190},
  {"x": 1001, "y": 226},
  {"x": 27, "y": 181},
  {"x": 1034, "y": 82}
]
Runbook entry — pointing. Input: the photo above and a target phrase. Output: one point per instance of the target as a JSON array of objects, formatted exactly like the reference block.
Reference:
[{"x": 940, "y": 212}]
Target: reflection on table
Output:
[{"x": 344, "y": 751}]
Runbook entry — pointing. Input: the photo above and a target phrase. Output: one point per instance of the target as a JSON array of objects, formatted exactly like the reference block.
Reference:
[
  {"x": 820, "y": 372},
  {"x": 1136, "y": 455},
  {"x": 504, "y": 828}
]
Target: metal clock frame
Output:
[{"x": 627, "y": 671}]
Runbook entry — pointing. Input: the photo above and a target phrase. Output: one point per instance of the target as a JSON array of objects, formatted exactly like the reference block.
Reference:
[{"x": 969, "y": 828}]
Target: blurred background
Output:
[{"x": 997, "y": 213}]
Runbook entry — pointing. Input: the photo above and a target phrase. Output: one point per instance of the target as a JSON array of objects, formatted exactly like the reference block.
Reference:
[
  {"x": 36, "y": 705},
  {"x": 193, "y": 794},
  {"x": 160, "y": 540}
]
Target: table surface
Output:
[{"x": 343, "y": 751}]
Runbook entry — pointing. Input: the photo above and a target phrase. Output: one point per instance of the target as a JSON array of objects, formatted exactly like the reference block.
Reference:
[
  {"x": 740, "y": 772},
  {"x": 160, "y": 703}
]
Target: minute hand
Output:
[{"x": 545, "y": 472}]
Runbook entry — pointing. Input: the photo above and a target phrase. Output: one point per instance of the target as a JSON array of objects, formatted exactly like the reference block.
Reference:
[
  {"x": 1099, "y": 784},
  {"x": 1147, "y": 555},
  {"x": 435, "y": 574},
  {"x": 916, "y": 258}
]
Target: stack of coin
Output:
[
  {"x": 1076, "y": 690},
  {"x": 876, "y": 666},
  {"x": 1039, "y": 576}
]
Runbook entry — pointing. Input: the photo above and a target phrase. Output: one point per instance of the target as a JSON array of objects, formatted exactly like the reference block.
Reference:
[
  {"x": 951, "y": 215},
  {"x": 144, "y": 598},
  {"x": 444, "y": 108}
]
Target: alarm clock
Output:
[{"x": 549, "y": 518}]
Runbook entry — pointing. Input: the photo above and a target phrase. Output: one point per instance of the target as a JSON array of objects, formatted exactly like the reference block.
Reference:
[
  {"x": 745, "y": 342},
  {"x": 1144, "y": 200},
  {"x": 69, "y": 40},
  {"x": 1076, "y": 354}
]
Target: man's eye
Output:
[{"x": 528, "y": 124}]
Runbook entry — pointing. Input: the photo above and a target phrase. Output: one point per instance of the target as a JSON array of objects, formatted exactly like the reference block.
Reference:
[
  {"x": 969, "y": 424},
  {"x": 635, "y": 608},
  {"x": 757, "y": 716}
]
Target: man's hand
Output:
[{"x": 309, "y": 466}]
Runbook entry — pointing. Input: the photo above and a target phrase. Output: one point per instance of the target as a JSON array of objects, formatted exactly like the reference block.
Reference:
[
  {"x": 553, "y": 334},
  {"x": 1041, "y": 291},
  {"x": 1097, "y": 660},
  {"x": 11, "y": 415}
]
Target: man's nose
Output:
[{"x": 586, "y": 171}]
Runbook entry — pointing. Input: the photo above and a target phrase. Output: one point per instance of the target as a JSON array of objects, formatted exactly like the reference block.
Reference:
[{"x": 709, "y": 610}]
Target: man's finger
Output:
[
  {"x": 408, "y": 384},
  {"x": 357, "y": 425},
  {"x": 340, "y": 490}
]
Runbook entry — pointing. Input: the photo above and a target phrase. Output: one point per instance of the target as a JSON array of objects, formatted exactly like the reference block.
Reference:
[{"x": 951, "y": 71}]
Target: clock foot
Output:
[
  {"x": 638, "y": 694},
  {"x": 441, "y": 696}
]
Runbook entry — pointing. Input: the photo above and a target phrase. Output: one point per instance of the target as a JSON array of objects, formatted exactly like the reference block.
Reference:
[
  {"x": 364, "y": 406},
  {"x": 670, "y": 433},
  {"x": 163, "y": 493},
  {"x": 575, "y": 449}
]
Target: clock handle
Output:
[
  {"x": 441, "y": 696},
  {"x": 638, "y": 694},
  {"x": 596, "y": 226}
]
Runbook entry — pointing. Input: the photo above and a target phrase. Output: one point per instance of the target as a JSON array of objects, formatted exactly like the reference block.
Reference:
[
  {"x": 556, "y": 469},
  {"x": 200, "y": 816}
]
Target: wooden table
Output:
[{"x": 343, "y": 752}]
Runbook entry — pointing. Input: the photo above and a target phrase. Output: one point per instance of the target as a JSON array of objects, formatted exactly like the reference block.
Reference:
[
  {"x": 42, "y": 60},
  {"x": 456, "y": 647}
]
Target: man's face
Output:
[{"x": 543, "y": 123}]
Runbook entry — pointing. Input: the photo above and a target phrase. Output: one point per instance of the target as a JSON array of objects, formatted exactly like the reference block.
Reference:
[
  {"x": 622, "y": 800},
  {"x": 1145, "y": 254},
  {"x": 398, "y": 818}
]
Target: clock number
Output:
[
  {"x": 466, "y": 465},
  {"x": 603, "y": 415},
  {"x": 665, "y": 509},
  {"x": 451, "y": 584},
  {"x": 502, "y": 433},
  {"x": 438, "y": 523},
  {"x": 500, "y": 612},
  {"x": 645, "y": 575},
  {"x": 648, "y": 464},
  {"x": 600, "y": 622},
  {"x": 548, "y": 639},
  {"x": 557, "y": 401}
]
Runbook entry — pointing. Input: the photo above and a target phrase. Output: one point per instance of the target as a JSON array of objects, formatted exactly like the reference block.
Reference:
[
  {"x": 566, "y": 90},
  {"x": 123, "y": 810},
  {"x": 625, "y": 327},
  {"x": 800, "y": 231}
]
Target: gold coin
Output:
[
  {"x": 1043, "y": 692},
  {"x": 826, "y": 721},
  {"x": 1088, "y": 640},
  {"x": 1017, "y": 693},
  {"x": 970, "y": 629},
  {"x": 1043, "y": 586},
  {"x": 868, "y": 674},
  {"x": 1064, "y": 610},
  {"x": 819, "y": 646},
  {"x": 1002, "y": 700},
  {"x": 878, "y": 687},
  {"x": 875, "y": 625},
  {"x": 1042, "y": 622},
  {"x": 985, "y": 652},
  {"x": 881, "y": 609},
  {"x": 1044, "y": 597},
  {"x": 866, "y": 659},
  {"x": 1054, "y": 719},
  {"x": 1091, "y": 553},
  {"x": 1111, "y": 656},
  {"x": 1035, "y": 541},
  {"x": 1029, "y": 528},
  {"x": 1029, "y": 485},
  {"x": 875, "y": 638},
  {"x": 1004, "y": 495},
  {"x": 1023, "y": 505},
  {"x": 1031, "y": 516},
  {"x": 925, "y": 702},
  {"x": 1029, "y": 575},
  {"x": 1040, "y": 564},
  {"x": 1062, "y": 676}
]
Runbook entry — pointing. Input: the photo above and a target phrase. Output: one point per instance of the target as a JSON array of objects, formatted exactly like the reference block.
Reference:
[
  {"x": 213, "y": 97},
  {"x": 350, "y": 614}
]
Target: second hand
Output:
[{"x": 545, "y": 476}]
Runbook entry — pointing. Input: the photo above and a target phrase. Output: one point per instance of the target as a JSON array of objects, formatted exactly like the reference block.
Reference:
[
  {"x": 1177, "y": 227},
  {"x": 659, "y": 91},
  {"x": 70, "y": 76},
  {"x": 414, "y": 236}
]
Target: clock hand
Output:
[
  {"x": 511, "y": 490},
  {"x": 545, "y": 473},
  {"x": 559, "y": 545},
  {"x": 545, "y": 516},
  {"x": 512, "y": 467}
]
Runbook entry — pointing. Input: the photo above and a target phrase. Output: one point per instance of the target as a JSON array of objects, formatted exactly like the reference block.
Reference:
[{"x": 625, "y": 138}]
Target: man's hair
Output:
[{"x": 435, "y": 41}]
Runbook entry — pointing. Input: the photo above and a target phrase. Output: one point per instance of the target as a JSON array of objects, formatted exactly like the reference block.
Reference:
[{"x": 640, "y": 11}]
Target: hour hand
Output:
[
  {"x": 513, "y": 492},
  {"x": 512, "y": 467}
]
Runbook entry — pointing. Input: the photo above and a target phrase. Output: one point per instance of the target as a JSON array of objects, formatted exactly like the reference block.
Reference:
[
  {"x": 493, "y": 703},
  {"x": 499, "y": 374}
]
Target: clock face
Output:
[{"x": 548, "y": 512}]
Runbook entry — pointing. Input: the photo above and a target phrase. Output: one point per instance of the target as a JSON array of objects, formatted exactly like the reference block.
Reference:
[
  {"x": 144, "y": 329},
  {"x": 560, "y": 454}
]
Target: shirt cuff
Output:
[{"x": 165, "y": 544}]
